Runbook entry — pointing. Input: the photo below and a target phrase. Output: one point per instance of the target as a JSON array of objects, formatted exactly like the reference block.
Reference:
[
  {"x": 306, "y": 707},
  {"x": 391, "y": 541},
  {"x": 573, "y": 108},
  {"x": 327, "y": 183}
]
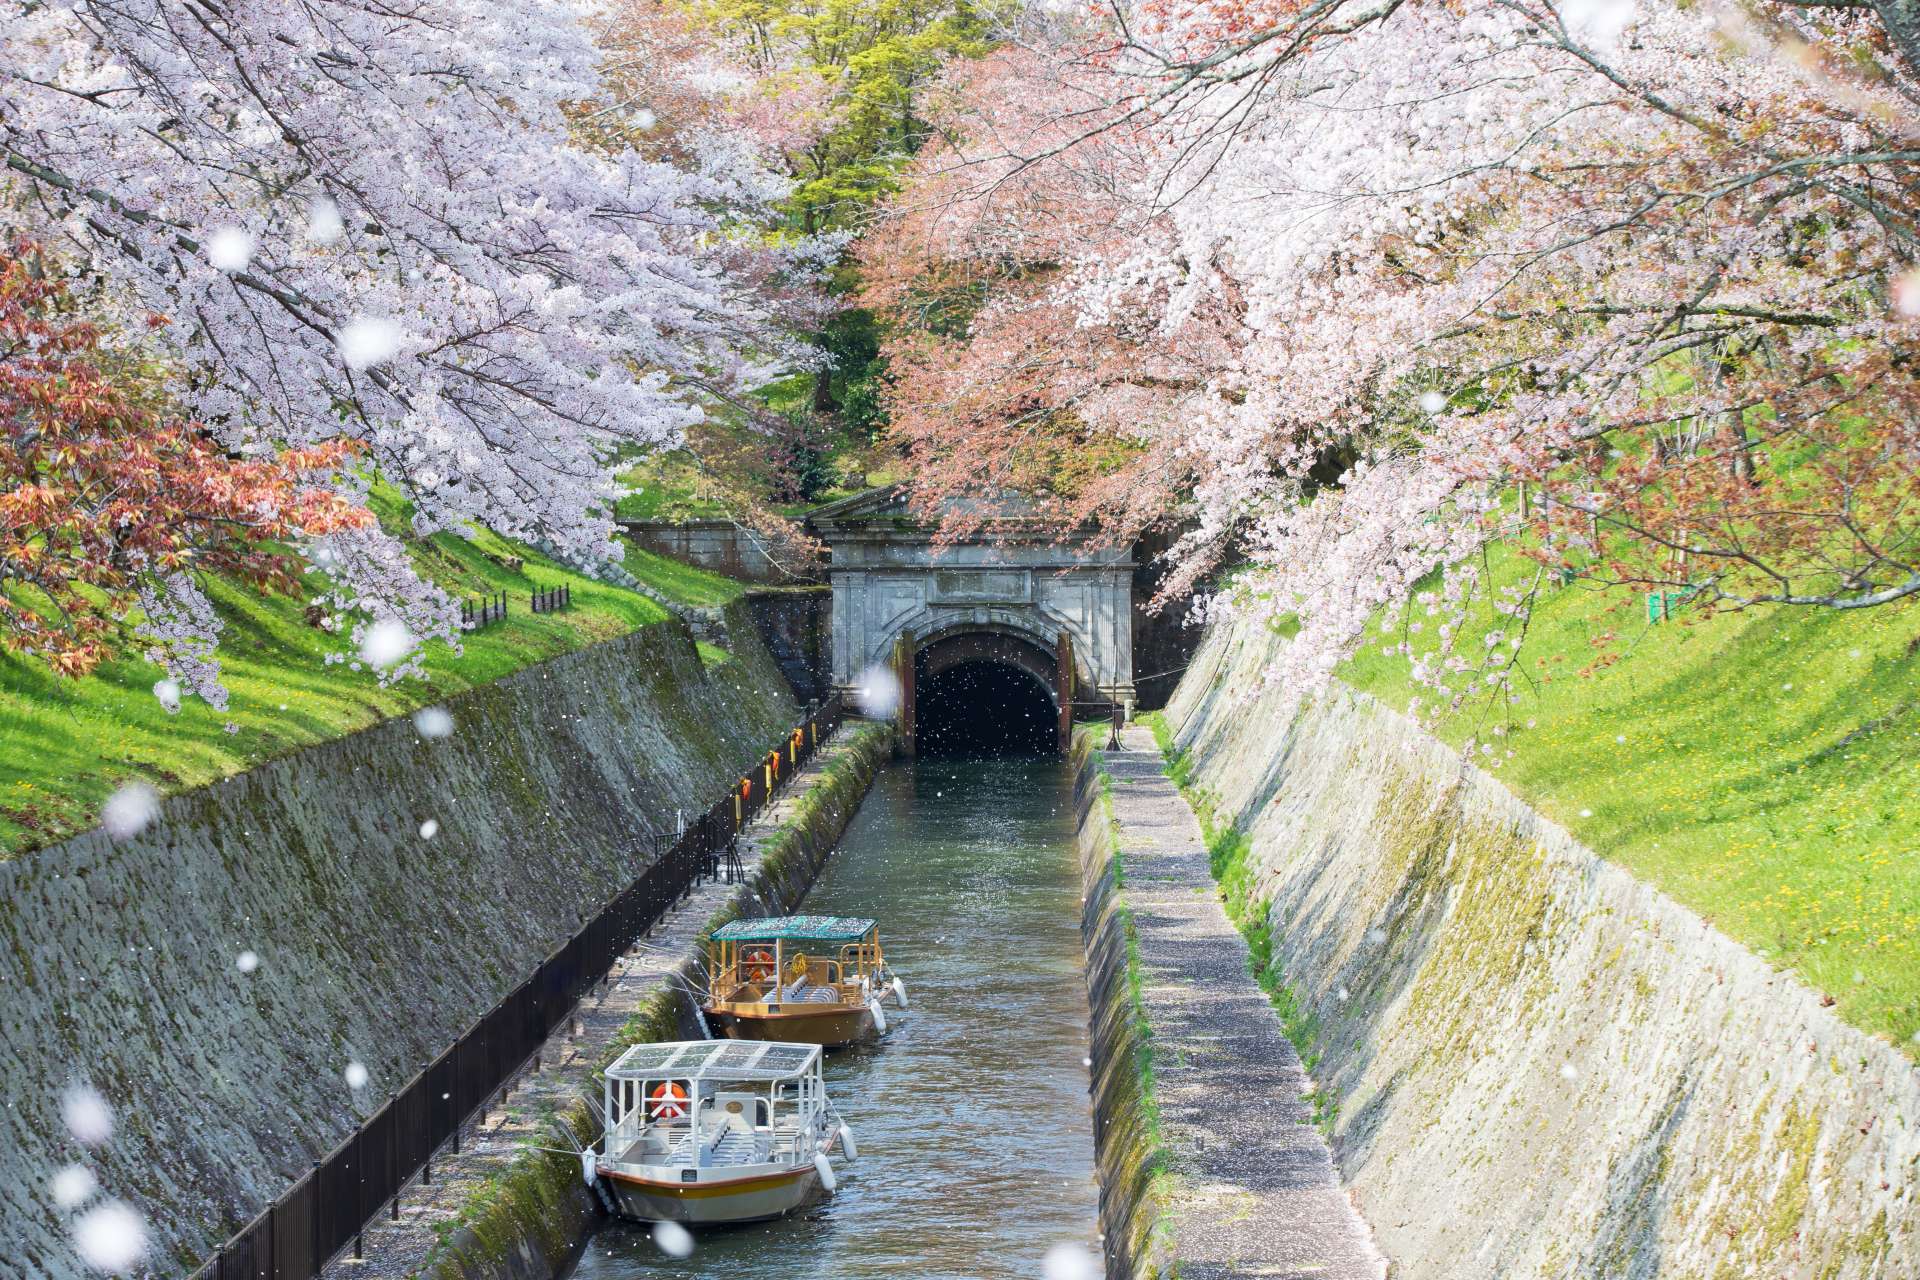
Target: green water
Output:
[{"x": 975, "y": 1135}]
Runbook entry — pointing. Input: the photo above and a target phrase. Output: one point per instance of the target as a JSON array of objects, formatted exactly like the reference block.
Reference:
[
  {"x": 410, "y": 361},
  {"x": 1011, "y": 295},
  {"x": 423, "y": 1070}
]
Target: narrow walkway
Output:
[
  {"x": 1258, "y": 1194},
  {"x": 399, "y": 1248}
]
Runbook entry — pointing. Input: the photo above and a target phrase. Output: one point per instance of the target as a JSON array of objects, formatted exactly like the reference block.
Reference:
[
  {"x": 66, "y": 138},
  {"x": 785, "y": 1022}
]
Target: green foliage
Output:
[
  {"x": 71, "y": 743},
  {"x": 1761, "y": 767},
  {"x": 876, "y": 60}
]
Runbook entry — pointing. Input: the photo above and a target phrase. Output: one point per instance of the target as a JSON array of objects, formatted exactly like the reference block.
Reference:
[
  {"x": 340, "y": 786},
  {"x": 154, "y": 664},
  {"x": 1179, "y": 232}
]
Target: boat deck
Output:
[{"x": 731, "y": 1148}]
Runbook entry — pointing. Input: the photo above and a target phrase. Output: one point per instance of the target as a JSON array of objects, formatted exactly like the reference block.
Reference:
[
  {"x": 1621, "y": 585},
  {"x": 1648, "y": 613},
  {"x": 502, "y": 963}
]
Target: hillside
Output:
[
  {"x": 1763, "y": 768},
  {"x": 71, "y": 743}
]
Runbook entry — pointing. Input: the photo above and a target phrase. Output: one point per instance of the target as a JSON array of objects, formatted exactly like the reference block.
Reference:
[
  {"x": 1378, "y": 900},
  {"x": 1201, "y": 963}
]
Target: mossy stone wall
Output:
[
  {"x": 117, "y": 960},
  {"x": 1541, "y": 1066},
  {"x": 1133, "y": 1184}
]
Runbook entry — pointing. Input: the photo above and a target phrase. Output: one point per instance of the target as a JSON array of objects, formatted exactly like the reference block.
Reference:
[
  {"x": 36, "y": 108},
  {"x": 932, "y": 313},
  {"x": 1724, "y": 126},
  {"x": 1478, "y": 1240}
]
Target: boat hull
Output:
[
  {"x": 753, "y": 1198},
  {"x": 830, "y": 1026}
]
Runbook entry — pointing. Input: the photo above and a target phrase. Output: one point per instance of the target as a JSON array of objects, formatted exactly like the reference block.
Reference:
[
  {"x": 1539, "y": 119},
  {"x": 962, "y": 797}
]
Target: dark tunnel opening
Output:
[{"x": 983, "y": 708}]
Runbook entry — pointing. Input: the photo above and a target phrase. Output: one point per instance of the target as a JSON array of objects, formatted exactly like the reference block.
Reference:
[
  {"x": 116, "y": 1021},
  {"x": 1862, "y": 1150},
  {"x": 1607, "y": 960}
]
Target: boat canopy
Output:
[
  {"x": 795, "y": 929},
  {"x": 715, "y": 1060}
]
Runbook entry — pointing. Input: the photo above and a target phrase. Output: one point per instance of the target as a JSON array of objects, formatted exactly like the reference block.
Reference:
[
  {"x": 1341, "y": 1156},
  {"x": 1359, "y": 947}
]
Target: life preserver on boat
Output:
[
  {"x": 669, "y": 1101},
  {"x": 759, "y": 965}
]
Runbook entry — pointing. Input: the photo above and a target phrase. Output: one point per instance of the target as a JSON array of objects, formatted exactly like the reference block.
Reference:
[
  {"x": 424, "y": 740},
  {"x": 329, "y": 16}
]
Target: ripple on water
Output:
[{"x": 976, "y": 1145}]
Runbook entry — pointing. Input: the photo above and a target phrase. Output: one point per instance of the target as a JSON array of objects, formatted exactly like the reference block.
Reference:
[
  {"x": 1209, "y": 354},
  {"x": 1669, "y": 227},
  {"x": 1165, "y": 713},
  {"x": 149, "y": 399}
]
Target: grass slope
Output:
[
  {"x": 65, "y": 745},
  {"x": 1763, "y": 768},
  {"x": 685, "y": 583}
]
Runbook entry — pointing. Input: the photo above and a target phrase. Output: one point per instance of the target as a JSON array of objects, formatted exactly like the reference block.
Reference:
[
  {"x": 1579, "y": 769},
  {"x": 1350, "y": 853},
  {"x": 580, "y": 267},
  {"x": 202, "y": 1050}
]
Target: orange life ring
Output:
[
  {"x": 669, "y": 1101},
  {"x": 759, "y": 965}
]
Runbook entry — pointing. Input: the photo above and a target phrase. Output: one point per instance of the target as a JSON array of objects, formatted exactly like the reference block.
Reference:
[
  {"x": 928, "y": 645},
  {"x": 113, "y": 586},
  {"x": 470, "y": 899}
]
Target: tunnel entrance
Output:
[{"x": 983, "y": 708}]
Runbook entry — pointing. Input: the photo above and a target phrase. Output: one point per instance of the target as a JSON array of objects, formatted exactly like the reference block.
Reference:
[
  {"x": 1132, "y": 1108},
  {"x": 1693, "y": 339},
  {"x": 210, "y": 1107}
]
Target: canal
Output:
[{"x": 975, "y": 1133}]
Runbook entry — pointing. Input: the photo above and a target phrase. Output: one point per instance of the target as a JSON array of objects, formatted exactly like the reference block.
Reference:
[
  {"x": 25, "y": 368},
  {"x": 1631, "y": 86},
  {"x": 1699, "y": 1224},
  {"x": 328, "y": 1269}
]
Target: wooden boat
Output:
[
  {"x": 715, "y": 1131},
  {"x": 800, "y": 979}
]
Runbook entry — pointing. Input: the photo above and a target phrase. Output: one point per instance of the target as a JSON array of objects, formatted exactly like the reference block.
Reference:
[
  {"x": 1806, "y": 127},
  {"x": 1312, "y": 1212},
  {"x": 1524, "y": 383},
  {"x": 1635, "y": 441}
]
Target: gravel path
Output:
[
  {"x": 398, "y": 1248},
  {"x": 1258, "y": 1192}
]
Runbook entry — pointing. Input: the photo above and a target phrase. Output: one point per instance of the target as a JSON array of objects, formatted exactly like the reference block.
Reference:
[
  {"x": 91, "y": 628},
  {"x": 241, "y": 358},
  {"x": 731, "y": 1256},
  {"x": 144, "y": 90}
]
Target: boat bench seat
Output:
[{"x": 732, "y": 1147}]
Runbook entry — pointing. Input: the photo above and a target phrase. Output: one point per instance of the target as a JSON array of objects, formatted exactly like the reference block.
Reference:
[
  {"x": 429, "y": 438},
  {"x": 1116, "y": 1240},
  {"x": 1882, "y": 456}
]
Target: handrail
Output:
[{"x": 327, "y": 1209}]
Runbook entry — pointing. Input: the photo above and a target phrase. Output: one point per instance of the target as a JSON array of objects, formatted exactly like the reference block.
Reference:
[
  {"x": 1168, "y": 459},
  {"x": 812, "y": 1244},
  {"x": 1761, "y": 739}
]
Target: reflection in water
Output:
[{"x": 976, "y": 1144}]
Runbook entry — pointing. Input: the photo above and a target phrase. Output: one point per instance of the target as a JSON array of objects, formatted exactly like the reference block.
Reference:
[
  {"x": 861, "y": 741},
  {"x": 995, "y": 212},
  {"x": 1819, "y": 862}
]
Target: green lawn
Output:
[
  {"x": 68, "y": 744},
  {"x": 685, "y": 583},
  {"x": 1763, "y": 768}
]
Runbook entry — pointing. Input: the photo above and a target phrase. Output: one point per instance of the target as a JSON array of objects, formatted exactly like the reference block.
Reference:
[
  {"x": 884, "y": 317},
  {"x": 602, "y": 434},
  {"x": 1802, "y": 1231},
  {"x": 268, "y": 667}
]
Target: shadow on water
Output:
[{"x": 976, "y": 1145}]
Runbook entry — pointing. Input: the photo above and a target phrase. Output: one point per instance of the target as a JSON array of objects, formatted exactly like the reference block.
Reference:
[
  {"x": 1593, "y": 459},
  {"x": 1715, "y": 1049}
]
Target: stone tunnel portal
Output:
[
  {"x": 985, "y": 693},
  {"x": 994, "y": 637}
]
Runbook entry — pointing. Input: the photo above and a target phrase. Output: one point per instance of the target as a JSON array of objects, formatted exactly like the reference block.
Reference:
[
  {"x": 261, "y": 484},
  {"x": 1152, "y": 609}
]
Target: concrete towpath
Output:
[{"x": 1258, "y": 1191}]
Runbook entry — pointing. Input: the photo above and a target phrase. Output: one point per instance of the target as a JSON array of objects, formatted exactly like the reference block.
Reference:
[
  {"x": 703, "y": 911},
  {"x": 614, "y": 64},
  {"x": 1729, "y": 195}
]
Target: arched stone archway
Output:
[
  {"x": 1017, "y": 578},
  {"x": 931, "y": 666}
]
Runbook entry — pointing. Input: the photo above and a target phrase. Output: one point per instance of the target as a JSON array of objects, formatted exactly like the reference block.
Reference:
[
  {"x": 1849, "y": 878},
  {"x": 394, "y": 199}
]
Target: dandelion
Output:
[
  {"x": 230, "y": 249},
  {"x": 72, "y": 1185},
  {"x": 1569, "y": 1072},
  {"x": 1586, "y": 813},
  {"x": 877, "y": 692},
  {"x": 429, "y": 829},
  {"x": 368, "y": 341},
  {"x": 1377, "y": 936},
  {"x": 672, "y": 1239},
  {"x": 168, "y": 691},
  {"x": 1432, "y": 401},
  {"x": 111, "y": 1238},
  {"x": 355, "y": 1076},
  {"x": 88, "y": 1117},
  {"x": 433, "y": 722},
  {"x": 129, "y": 810},
  {"x": 643, "y": 119},
  {"x": 1069, "y": 1261},
  {"x": 324, "y": 224},
  {"x": 1906, "y": 293},
  {"x": 247, "y": 961},
  {"x": 385, "y": 643}
]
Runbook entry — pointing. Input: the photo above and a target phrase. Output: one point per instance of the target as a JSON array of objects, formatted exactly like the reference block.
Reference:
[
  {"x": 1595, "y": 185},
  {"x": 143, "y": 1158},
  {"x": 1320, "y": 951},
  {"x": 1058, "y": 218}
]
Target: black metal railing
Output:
[
  {"x": 328, "y": 1208},
  {"x": 551, "y": 598},
  {"x": 478, "y": 613}
]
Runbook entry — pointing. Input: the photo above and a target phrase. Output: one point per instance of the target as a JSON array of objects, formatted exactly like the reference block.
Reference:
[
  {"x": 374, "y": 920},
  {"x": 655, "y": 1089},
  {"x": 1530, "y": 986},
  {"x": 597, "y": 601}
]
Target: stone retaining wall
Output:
[
  {"x": 117, "y": 960},
  {"x": 1133, "y": 1188},
  {"x": 1543, "y": 1067}
]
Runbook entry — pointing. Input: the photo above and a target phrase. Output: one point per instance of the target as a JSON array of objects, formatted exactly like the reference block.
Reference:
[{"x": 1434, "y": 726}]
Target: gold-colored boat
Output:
[{"x": 800, "y": 980}]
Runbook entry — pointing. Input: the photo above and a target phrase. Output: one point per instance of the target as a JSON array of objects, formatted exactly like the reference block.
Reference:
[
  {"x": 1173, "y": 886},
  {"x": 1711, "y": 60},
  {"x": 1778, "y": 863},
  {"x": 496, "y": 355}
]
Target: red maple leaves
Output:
[{"x": 100, "y": 489}]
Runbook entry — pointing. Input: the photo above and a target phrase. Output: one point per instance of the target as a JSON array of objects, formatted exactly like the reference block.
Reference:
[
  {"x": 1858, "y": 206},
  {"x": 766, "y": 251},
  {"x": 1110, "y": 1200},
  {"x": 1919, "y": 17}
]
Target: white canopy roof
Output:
[{"x": 714, "y": 1060}]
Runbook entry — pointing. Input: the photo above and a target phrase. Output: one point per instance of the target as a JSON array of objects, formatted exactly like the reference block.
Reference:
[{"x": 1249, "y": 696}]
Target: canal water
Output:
[{"x": 973, "y": 1121}]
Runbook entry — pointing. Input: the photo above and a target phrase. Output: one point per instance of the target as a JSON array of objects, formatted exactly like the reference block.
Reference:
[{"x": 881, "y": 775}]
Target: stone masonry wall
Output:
[
  {"x": 1543, "y": 1067},
  {"x": 117, "y": 961}
]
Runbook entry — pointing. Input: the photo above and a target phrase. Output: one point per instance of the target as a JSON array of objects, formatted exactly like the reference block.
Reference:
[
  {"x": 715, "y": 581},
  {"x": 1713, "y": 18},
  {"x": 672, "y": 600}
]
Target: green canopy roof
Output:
[{"x": 795, "y": 929}]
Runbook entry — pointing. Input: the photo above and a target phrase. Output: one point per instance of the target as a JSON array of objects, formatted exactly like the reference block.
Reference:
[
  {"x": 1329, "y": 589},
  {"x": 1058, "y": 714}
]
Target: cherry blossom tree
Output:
[
  {"x": 1356, "y": 288},
  {"x": 106, "y": 503},
  {"x": 410, "y": 226}
]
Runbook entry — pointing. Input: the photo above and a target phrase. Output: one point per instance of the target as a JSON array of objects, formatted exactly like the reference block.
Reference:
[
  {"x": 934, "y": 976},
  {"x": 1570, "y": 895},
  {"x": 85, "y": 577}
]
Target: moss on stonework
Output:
[
  {"x": 1230, "y": 858},
  {"x": 1140, "y": 1183}
]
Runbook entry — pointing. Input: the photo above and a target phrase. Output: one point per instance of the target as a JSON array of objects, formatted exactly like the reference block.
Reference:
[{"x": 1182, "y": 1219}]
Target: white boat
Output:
[{"x": 711, "y": 1131}]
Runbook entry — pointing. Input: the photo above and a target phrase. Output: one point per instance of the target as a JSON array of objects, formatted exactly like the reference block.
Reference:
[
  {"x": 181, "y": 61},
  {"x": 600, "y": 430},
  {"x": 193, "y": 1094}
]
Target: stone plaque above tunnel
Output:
[
  {"x": 1016, "y": 576},
  {"x": 980, "y": 586}
]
